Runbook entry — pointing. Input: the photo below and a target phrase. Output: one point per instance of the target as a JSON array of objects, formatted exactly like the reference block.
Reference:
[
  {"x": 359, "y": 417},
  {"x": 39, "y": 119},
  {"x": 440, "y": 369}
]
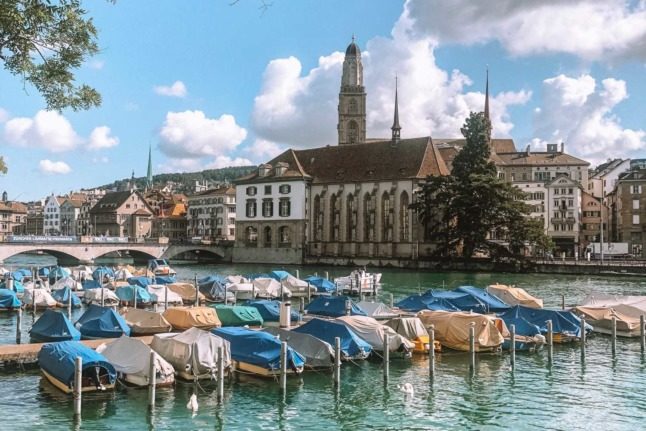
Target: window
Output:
[
  {"x": 387, "y": 217},
  {"x": 317, "y": 226},
  {"x": 251, "y": 191},
  {"x": 352, "y": 132},
  {"x": 635, "y": 204},
  {"x": 284, "y": 207},
  {"x": 404, "y": 222},
  {"x": 283, "y": 235},
  {"x": 251, "y": 208},
  {"x": 351, "y": 219},
  {"x": 570, "y": 202},
  {"x": 368, "y": 217},
  {"x": 352, "y": 106},
  {"x": 267, "y": 207},
  {"x": 556, "y": 191},
  {"x": 570, "y": 191},
  {"x": 251, "y": 236},
  {"x": 635, "y": 218},
  {"x": 267, "y": 190},
  {"x": 284, "y": 189},
  {"x": 267, "y": 236},
  {"x": 501, "y": 175},
  {"x": 334, "y": 219},
  {"x": 636, "y": 189}
]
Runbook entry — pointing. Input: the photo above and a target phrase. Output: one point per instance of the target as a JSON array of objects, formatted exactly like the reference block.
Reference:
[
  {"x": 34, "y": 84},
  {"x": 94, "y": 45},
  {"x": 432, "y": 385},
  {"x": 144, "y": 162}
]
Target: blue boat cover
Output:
[
  {"x": 270, "y": 310},
  {"x": 19, "y": 274},
  {"x": 165, "y": 279},
  {"x": 333, "y": 306},
  {"x": 127, "y": 293},
  {"x": 17, "y": 286},
  {"x": 93, "y": 311},
  {"x": 109, "y": 324},
  {"x": 140, "y": 281},
  {"x": 90, "y": 284},
  {"x": 63, "y": 296},
  {"x": 492, "y": 303},
  {"x": 212, "y": 286},
  {"x": 57, "y": 273},
  {"x": 417, "y": 303},
  {"x": 563, "y": 322},
  {"x": 322, "y": 285},
  {"x": 8, "y": 299},
  {"x": 351, "y": 344},
  {"x": 460, "y": 300},
  {"x": 53, "y": 326},
  {"x": 58, "y": 359},
  {"x": 279, "y": 275},
  {"x": 102, "y": 271},
  {"x": 257, "y": 348},
  {"x": 43, "y": 272}
]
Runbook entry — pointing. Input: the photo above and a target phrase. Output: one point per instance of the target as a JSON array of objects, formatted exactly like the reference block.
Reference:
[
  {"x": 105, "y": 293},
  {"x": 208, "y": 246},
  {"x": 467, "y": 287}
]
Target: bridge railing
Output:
[{"x": 68, "y": 239}]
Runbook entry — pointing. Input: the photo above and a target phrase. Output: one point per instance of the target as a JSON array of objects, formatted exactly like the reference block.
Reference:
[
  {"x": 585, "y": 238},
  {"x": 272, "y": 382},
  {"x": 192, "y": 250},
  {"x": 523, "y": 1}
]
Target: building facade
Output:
[
  {"x": 52, "y": 215},
  {"x": 631, "y": 211},
  {"x": 123, "y": 214},
  {"x": 603, "y": 179},
  {"x": 70, "y": 211},
  {"x": 211, "y": 215},
  {"x": 13, "y": 218}
]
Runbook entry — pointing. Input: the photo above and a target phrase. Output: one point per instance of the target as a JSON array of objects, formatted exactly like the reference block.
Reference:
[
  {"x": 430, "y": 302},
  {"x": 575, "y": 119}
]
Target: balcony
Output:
[{"x": 562, "y": 220}]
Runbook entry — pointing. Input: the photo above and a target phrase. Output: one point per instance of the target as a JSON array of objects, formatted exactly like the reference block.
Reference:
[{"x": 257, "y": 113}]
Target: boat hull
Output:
[
  {"x": 261, "y": 371},
  {"x": 84, "y": 386}
]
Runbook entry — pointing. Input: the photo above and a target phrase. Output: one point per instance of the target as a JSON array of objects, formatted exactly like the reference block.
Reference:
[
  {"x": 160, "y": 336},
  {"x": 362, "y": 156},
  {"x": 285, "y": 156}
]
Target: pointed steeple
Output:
[
  {"x": 149, "y": 175},
  {"x": 396, "y": 128},
  {"x": 486, "y": 107}
]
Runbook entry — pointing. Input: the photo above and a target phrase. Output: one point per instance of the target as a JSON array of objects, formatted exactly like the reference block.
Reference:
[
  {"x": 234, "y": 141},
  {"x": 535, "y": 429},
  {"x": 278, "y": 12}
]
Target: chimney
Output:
[
  {"x": 527, "y": 150},
  {"x": 562, "y": 147}
]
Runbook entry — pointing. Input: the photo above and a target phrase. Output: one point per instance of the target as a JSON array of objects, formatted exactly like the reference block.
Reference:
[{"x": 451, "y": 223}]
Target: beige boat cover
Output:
[
  {"x": 186, "y": 291},
  {"x": 514, "y": 295},
  {"x": 452, "y": 329},
  {"x": 603, "y": 300},
  {"x": 601, "y": 317},
  {"x": 39, "y": 297},
  {"x": 114, "y": 285},
  {"x": 144, "y": 322},
  {"x": 373, "y": 332},
  {"x": 159, "y": 293},
  {"x": 409, "y": 327},
  {"x": 269, "y": 288},
  {"x": 192, "y": 317}
]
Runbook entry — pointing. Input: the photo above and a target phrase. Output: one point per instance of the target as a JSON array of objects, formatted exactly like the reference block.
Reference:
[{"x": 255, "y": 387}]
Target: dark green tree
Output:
[{"x": 43, "y": 41}]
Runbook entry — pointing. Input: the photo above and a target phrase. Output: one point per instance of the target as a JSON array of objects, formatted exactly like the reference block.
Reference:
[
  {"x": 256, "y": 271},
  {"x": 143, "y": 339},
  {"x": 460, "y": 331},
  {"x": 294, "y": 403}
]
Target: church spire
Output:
[
  {"x": 396, "y": 128},
  {"x": 149, "y": 176},
  {"x": 486, "y": 106}
]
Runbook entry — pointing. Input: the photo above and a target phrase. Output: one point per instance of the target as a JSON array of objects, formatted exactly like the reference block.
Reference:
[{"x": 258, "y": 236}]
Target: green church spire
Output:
[{"x": 149, "y": 176}]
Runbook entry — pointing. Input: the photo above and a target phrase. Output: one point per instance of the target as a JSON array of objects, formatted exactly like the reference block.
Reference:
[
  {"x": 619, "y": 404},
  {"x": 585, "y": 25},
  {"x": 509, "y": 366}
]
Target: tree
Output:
[
  {"x": 3, "y": 166},
  {"x": 461, "y": 211},
  {"x": 43, "y": 42}
]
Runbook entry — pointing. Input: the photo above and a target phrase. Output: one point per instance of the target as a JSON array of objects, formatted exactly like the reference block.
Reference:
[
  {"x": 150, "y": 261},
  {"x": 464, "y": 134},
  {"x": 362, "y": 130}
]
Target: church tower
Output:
[{"x": 352, "y": 99}]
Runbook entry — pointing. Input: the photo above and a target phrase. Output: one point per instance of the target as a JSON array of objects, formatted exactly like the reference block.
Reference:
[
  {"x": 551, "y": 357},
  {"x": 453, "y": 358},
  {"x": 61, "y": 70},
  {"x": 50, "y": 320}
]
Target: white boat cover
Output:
[
  {"x": 39, "y": 285},
  {"x": 514, "y": 295},
  {"x": 241, "y": 290},
  {"x": 115, "y": 284},
  {"x": 93, "y": 296},
  {"x": 297, "y": 286},
  {"x": 452, "y": 329},
  {"x": 194, "y": 351},
  {"x": 38, "y": 297},
  {"x": 317, "y": 353},
  {"x": 131, "y": 357},
  {"x": 231, "y": 279},
  {"x": 3, "y": 270},
  {"x": 122, "y": 274},
  {"x": 600, "y": 318},
  {"x": 67, "y": 282},
  {"x": 159, "y": 292},
  {"x": 374, "y": 332},
  {"x": 186, "y": 291},
  {"x": 409, "y": 327},
  {"x": 603, "y": 300},
  {"x": 144, "y": 322},
  {"x": 269, "y": 288},
  {"x": 82, "y": 272},
  {"x": 377, "y": 310}
]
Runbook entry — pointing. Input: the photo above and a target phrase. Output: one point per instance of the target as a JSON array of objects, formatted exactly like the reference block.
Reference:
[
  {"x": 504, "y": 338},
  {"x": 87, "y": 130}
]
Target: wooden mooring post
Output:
[
  {"x": 337, "y": 362},
  {"x": 550, "y": 343},
  {"x": 165, "y": 297},
  {"x": 220, "y": 373},
  {"x": 19, "y": 326},
  {"x": 69, "y": 305},
  {"x": 512, "y": 346},
  {"x": 613, "y": 336},
  {"x": 283, "y": 366},
  {"x": 472, "y": 346},
  {"x": 152, "y": 380},
  {"x": 386, "y": 358},
  {"x": 78, "y": 372},
  {"x": 582, "y": 339},
  {"x": 431, "y": 352},
  {"x": 197, "y": 292},
  {"x": 642, "y": 334}
]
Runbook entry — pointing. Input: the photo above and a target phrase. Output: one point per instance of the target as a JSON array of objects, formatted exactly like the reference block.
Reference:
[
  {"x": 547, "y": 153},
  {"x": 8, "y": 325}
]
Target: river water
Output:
[{"x": 601, "y": 394}]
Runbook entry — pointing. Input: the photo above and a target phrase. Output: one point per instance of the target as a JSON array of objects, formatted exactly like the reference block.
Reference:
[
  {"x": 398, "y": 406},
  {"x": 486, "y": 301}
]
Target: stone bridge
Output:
[{"x": 86, "y": 253}]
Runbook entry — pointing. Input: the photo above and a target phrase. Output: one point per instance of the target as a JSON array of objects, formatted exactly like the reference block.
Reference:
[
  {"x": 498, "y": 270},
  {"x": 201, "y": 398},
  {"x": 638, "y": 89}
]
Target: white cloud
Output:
[
  {"x": 4, "y": 115},
  {"x": 262, "y": 150},
  {"x": 592, "y": 29},
  {"x": 49, "y": 167},
  {"x": 102, "y": 159},
  {"x": 577, "y": 112},
  {"x": 192, "y": 135},
  {"x": 96, "y": 64},
  {"x": 177, "y": 89},
  {"x": 47, "y": 129},
  {"x": 300, "y": 110},
  {"x": 227, "y": 162},
  {"x": 100, "y": 139}
]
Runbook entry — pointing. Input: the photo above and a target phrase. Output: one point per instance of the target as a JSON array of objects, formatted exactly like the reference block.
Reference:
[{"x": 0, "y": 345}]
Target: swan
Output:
[
  {"x": 192, "y": 404},
  {"x": 407, "y": 388}
]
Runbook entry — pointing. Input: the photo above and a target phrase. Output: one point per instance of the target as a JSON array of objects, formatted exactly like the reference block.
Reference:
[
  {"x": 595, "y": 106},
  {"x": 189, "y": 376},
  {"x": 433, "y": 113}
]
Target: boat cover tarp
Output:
[
  {"x": 132, "y": 356},
  {"x": 601, "y": 317},
  {"x": 460, "y": 300},
  {"x": 317, "y": 353},
  {"x": 515, "y": 295},
  {"x": 122, "y": 274},
  {"x": 604, "y": 300},
  {"x": 293, "y": 284},
  {"x": 90, "y": 284},
  {"x": 158, "y": 293},
  {"x": 140, "y": 281},
  {"x": 452, "y": 329},
  {"x": 409, "y": 327},
  {"x": 165, "y": 279},
  {"x": 57, "y": 273},
  {"x": 352, "y": 346},
  {"x": 62, "y": 296},
  {"x": 492, "y": 303},
  {"x": 115, "y": 284},
  {"x": 102, "y": 272},
  {"x": 258, "y": 348},
  {"x": 373, "y": 332},
  {"x": 322, "y": 285},
  {"x": 127, "y": 294},
  {"x": 67, "y": 282},
  {"x": 239, "y": 288},
  {"x": 40, "y": 297},
  {"x": 59, "y": 359},
  {"x": 186, "y": 291},
  {"x": 377, "y": 310},
  {"x": 143, "y": 322},
  {"x": 102, "y": 322},
  {"x": 43, "y": 272},
  {"x": 53, "y": 326},
  {"x": 416, "y": 303},
  {"x": 195, "y": 348},
  {"x": 563, "y": 322},
  {"x": 270, "y": 310},
  {"x": 279, "y": 275},
  {"x": 93, "y": 296},
  {"x": 8, "y": 299},
  {"x": 333, "y": 306},
  {"x": 238, "y": 315},
  {"x": 21, "y": 273},
  {"x": 270, "y": 288},
  {"x": 212, "y": 287},
  {"x": 187, "y": 317}
]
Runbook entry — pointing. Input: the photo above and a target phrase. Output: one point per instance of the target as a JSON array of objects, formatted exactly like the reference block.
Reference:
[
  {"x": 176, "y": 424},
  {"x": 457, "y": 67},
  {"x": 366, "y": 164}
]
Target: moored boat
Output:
[
  {"x": 515, "y": 295},
  {"x": 64, "y": 296},
  {"x": 143, "y": 322},
  {"x": 566, "y": 326},
  {"x": 269, "y": 310},
  {"x": 452, "y": 329},
  {"x": 9, "y": 300},
  {"x": 53, "y": 326},
  {"x": 93, "y": 296},
  {"x": 333, "y": 306},
  {"x": 183, "y": 318},
  {"x": 238, "y": 315},
  {"x": 186, "y": 291},
  {"x": 102, "y": 322},
  {"x": 317, "y": 353},
  {"x": 413, "y": 329},
  {"x": 160, "y": 267},
  {"x": 374, "y": 333},
  {"x": 352, "y": 346},
  {"x": 39, "y": 298}
]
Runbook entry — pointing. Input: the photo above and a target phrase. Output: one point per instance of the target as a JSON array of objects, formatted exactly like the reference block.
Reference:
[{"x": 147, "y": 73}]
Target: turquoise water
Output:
[{"x": 602, "y": 393}]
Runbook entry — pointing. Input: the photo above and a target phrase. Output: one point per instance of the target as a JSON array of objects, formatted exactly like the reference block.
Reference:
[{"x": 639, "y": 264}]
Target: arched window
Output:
[
  {"x": 386, "y": 217},
  {"x": 351, "y": 219},
  {"x": 368, "y": 217},
  {"x": 251, "y": 235},
  {"x": 404, "y": 221},
  {"x": 352, "y": 132},
  {"x": 267, "y": 236},
  {"x": 352, "y": 106},
  {"x": 283, "y": 235},
  {"x": 335, "y": 217},
  {"x": 317, "y": 219}
]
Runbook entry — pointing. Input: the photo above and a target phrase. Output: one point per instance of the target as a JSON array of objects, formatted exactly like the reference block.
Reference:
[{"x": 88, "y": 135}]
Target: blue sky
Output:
[{"x": 215, "y": 84}]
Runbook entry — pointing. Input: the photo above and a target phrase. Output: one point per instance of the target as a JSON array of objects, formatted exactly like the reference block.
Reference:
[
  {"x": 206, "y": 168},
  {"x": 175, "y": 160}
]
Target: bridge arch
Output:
[
  {"x": 205, "y": 252},
  {"x": 62, "y": 258}
]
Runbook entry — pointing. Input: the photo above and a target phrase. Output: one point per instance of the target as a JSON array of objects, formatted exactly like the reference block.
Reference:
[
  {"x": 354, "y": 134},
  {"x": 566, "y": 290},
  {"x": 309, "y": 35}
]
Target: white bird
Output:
[
  {"x": 407, "y": 388},
  {"x": 192, "y": 404}
]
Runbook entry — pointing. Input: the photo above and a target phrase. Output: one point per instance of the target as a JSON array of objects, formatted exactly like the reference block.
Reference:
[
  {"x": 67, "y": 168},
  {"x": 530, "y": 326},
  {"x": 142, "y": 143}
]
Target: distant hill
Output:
[{"x": 186, "y": 181}]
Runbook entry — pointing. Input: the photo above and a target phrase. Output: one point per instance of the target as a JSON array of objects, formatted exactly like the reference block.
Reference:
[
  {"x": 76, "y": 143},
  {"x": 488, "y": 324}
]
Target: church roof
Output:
[
  {"x": 352, "y": 50},
  {"x": 539, "y": 159}
]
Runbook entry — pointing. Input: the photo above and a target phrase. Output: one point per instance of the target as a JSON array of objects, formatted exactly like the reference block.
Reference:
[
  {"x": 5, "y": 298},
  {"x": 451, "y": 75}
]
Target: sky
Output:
[{"x": 216, "y": 83}]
